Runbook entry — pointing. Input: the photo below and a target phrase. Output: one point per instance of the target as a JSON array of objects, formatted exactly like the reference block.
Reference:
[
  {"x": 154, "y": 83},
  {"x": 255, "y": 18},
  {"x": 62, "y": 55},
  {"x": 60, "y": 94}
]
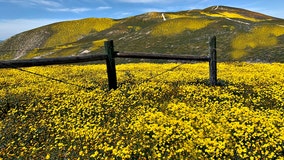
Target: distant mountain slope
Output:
[{"x": 242, "y": 35}]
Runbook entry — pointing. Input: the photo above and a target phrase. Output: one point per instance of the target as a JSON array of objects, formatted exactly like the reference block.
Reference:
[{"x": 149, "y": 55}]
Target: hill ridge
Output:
[{"x": 183, "y": 32}]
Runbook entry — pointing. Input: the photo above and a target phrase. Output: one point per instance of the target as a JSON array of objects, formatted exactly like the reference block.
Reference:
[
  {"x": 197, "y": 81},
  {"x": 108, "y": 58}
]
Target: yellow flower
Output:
[
  {"x": 81, "y": 153},
  {"x": 47, "y": 156},
  {"x": 95, "y": 154}
]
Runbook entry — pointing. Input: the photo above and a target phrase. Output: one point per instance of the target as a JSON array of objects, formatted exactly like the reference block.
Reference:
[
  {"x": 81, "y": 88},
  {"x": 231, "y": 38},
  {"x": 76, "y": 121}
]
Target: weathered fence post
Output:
[
  {"x": 213, "y": 61},
  {"x": 110, "y": 62}
]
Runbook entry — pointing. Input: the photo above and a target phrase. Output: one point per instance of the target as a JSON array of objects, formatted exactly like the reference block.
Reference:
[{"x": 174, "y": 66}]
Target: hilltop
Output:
[{"x": 242, "y": 35}]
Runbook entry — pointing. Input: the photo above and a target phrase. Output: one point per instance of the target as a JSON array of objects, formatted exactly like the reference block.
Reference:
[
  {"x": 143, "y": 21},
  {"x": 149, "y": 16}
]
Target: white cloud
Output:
[
  {"x": 9, "y": 28},
  {"x": 103, "y": 8},
  {"x": 34, "y": 2},
  {"x": 74, "y": 10},
  {"x": 46, "y": 3}
]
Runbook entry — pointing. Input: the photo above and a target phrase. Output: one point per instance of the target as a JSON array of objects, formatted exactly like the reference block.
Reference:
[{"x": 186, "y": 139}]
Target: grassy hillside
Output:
[
  {"x": 159, "y": 111},
  {"x": 242, "y": 35}
]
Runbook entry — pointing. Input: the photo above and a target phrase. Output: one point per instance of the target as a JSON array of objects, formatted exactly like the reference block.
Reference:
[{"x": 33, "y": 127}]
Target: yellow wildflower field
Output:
[
  {"x": 159, "y": 111},
  {"x": 77, "y": 29},
  {"x": 231, "y": 15},
  {"x": 264, "y": 36},
  {"x": 177, "y": 26}
]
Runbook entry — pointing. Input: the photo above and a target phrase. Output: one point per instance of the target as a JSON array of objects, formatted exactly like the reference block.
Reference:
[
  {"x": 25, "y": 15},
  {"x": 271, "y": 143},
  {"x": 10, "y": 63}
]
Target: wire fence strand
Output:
[{"x": 48, "y": 77}]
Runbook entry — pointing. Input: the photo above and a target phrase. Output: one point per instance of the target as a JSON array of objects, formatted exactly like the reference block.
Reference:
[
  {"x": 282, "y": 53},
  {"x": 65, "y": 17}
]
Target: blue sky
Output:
[{"x": 21, "y": 15}]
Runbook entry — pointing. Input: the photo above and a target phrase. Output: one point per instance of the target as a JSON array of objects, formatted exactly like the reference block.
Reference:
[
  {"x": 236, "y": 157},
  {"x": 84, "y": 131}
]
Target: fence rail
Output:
[
  {"x": 110, "y": 60},
  {"x": 161, "y": 56},
  {"x": 51, "y": 61}
]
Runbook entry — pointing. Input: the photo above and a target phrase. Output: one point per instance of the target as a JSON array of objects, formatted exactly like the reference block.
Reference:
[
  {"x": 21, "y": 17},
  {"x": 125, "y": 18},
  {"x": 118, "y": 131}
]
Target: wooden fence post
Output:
[
  {"x": 213, "y": 61},
  {"x": 110, "y": 62}
]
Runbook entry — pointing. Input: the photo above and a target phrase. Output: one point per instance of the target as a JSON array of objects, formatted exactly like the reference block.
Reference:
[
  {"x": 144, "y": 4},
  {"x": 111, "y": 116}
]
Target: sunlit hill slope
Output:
[{"x": 242, "y": 35}]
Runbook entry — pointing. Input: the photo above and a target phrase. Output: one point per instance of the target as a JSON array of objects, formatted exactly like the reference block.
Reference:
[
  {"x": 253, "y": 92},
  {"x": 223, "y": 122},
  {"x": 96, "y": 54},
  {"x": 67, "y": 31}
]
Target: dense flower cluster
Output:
[
  {"x": 177, "y": 26},
  {"x": 77, "y": 29},
  {"x": 232, "y": 15},
  {"x": 260, "y": 36},
  {"x": 159, "y": 111}
]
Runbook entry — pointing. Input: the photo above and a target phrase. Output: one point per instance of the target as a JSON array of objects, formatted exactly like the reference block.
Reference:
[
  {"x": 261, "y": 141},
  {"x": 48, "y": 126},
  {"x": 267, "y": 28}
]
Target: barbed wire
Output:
[
  {"x": 65, "y": 81},
  {"x": 48, "y": 77},
  {"x": 155, "y": 76},
  {"x": 166, "y": 71}
]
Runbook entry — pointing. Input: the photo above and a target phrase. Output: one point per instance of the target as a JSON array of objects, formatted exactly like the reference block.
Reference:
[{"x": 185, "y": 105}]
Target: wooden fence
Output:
[{"x": 110, "y": 56}]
